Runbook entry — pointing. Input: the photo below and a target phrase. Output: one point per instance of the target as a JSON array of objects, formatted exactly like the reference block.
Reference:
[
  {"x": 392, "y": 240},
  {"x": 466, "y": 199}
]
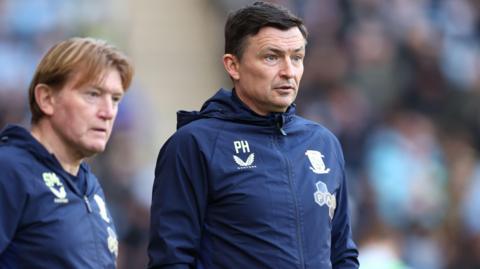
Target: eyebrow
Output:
[
  {"x": 279, "y": 51},
  {"x": 102, "y": 89}
]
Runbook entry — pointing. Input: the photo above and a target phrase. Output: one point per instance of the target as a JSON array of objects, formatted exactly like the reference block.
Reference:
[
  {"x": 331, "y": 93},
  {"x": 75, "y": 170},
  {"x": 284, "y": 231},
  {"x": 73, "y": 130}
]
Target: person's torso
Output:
[
  {"x": 271, "y": 197},
  {"x": 59, "y": 227}
]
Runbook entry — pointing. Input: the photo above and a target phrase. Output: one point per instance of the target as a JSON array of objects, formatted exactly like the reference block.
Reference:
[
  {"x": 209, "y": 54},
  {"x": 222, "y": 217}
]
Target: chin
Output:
[
  {"x": 94, "y": 149},
  {"x": 282, "y": 107},
  {"x": 285, "y": 101}
]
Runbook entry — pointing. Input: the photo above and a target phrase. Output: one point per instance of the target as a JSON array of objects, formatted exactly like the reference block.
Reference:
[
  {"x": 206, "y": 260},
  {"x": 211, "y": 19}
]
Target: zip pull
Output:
[
  {"x": 87, "y": 202},
  {"x": 279, "y": 122}
]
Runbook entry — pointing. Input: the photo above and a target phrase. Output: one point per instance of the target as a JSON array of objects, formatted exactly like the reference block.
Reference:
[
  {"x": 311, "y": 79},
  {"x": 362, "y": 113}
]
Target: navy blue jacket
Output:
[
  {"x": 45, "y": 221},
  {"x": 237, "y": 190}
]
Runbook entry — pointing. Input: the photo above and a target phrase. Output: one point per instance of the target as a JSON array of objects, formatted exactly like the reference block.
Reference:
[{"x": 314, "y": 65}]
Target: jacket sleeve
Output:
[
  {"x": 178, "y": 204},
  {"x": 12, "y": 201},
  {"x": 344, "y": 253}
]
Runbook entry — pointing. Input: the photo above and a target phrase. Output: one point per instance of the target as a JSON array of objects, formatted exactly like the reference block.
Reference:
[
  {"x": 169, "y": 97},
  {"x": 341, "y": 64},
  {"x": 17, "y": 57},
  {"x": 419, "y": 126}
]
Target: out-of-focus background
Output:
[{"x": 398, "y": 81}]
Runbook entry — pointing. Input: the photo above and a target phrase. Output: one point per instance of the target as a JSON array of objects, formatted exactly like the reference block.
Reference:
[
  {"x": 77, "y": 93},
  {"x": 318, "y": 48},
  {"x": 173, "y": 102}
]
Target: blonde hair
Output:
[{"x": 88, "y": 58}]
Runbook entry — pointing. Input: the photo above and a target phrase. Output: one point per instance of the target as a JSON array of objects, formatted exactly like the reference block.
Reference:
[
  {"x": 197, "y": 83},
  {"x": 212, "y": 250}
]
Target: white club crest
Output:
[
  {"x": 56, "y": 187},
  {"x": 316, "y": 161},
  {"x": 247, "y": 163},
  {"x": 102, "y": 208}
]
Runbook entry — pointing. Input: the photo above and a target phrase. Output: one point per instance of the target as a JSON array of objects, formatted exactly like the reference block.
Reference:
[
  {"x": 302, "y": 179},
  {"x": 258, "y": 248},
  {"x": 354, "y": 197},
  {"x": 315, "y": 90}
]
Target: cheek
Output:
[
  {"x": 115, "y": 113},
  {"x": 81, "y": 122},
  {"x": 299, "y": 73},
  {"x": 72, "y": 111},
  {"x": 258, "y": 80},
  {"x": 66, "y": 118}
]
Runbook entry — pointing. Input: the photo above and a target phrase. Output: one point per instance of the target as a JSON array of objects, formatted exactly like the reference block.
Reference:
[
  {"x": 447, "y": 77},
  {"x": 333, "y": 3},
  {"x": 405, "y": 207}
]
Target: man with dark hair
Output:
[
  {"x": 52, "y": 208},
  {"x": 244, "y": 182}
]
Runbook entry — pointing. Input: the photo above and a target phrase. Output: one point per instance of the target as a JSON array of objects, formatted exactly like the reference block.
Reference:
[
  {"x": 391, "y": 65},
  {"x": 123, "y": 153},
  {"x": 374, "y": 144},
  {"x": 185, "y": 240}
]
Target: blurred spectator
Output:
[
  {"x": 404, "y": 164},
  {"x": 381, "y": 248}
]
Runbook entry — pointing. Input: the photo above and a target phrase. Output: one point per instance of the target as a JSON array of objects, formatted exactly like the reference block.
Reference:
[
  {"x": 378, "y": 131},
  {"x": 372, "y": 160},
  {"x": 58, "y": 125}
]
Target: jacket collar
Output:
[{"x": 226, "y": 105}]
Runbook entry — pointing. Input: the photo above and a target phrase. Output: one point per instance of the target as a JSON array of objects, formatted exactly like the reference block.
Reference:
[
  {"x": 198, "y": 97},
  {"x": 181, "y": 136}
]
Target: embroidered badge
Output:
[
  {"x": 323, "y": 197},
  {"x": 241, "y": 146},
  {"x": 316, "y": 161},
  {"x": 56, "y": 187},
  {"x": 112, "y": 242},
  {"x": 102, "y": 208}
]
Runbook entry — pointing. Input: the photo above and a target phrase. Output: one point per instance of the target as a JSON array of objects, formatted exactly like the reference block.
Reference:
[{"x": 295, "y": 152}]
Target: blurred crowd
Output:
[{"x": 398, "y": 81}]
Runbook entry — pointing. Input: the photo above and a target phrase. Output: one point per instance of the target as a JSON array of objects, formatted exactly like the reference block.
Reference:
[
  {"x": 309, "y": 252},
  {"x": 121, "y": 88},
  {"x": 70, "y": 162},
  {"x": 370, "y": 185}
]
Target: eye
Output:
[
  {"x": 297, "y": 58},
  {"x": 116, "y": 99},
  {"x": 271, "y": 58},
  {"x": 93, "y": 93}
]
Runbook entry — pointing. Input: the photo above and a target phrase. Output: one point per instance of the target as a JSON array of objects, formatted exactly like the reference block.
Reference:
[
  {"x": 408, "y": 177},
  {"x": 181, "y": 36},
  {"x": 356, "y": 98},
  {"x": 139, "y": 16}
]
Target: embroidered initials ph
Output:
[{"x": 241, "y": 146}]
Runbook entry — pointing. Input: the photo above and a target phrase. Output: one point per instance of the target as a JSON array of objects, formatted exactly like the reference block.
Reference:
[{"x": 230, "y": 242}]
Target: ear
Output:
[
  {"x": 44, "y": 96},
  {"x": 231, "y": 64}
]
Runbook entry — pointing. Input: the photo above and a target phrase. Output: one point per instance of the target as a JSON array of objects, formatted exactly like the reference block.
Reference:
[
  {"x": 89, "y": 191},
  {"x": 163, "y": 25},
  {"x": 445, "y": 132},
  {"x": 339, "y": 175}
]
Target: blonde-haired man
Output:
[{"x": 52, "y": 208}]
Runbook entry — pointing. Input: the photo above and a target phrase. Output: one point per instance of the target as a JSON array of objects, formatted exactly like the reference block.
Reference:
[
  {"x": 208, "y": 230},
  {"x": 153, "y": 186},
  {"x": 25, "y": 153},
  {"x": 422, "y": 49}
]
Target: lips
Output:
[
  {"x": 101, "y": 130},
  {"x": 285, "y": 87}
]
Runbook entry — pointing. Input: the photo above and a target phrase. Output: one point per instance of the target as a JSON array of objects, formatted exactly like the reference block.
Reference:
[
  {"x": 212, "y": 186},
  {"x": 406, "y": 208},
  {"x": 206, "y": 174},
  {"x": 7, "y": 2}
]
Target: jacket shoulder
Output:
[
  {"x": 201, "y": 124},
  {"x": 15, "y": 164},
  {"x": 12, "y": 158},
  {"x": 199, "y": 129},
  {"x": 196, "y": 137},
  {"x": 316, "y": 127},
  {"x": 323, "y": 134}
]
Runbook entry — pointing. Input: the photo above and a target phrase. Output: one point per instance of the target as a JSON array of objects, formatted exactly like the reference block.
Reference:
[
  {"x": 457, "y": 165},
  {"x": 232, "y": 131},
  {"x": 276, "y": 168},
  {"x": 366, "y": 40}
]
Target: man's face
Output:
[
  {"x": 83, "y": 117},
  {"x": 268, "y": 75}
]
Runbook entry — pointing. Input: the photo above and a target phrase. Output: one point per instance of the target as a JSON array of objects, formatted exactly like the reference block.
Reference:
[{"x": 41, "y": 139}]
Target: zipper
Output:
[
  {"x": 87, "y": 203},
  {"x": 295, "y": 201},
  {"x": 97, "y": 241},
  {"x": 280, "y": 128},
  {"x": 279, "y": 122},
  {"x": 91, "y": 218}
]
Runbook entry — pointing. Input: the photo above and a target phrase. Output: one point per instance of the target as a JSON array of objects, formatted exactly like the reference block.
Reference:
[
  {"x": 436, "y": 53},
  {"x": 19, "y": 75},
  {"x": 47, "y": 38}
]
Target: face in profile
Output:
[
  {"x": 83, "y": 116},
  {"x": 267, "y": 76}
]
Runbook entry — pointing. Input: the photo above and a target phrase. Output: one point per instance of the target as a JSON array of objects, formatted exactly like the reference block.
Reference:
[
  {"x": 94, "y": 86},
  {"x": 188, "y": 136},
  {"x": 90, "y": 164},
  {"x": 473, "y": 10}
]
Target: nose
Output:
[
  {"x": 288, "y": 69},
  {"x": 107, "y": 109}
]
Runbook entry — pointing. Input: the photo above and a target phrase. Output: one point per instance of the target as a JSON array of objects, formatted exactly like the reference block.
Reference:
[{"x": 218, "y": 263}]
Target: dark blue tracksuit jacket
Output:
[
  {"x": 46, "y": 222},
  {"x": 237, "y": 190}
]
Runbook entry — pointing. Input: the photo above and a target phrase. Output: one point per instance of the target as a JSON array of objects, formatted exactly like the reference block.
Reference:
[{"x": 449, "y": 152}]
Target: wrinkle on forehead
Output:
[{"x": 285, "y": 40}]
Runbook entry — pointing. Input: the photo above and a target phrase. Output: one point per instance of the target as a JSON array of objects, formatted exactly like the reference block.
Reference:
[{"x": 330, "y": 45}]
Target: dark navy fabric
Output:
[
  {"x": 237, "y": 190},
  {"x": 45, "y": 221}
]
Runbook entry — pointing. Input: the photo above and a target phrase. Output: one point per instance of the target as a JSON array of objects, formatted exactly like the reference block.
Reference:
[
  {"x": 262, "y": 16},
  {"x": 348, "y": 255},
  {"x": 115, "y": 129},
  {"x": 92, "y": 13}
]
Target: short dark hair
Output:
[{"x": 249, "y": 20}]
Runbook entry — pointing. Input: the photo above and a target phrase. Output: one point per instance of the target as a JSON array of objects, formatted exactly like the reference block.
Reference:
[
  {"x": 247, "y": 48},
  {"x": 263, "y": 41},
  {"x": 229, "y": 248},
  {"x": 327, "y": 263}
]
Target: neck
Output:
[
  {"x": 69, "y": 159},
  {"x": 247, "y": 103}
]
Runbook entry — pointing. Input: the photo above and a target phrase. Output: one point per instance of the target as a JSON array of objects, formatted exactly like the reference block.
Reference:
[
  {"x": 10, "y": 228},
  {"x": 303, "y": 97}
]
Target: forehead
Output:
[
  {"x": 270, "y": 37},
  {"x": 108, "y": 79}
]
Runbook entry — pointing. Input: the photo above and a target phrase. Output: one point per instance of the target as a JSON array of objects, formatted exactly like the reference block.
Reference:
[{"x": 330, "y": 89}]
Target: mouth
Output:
[
  {"x": 100, "y": 130},
  {"x": 285, "y": 88}
]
